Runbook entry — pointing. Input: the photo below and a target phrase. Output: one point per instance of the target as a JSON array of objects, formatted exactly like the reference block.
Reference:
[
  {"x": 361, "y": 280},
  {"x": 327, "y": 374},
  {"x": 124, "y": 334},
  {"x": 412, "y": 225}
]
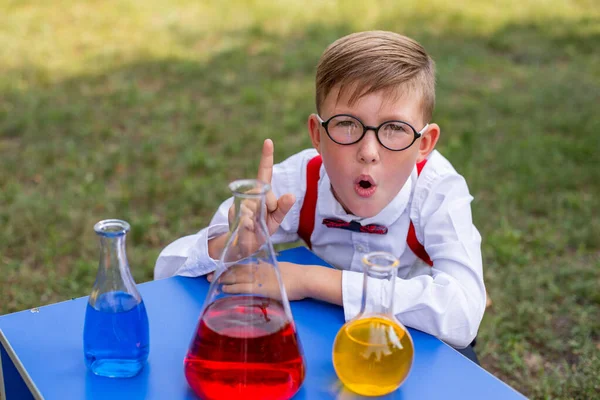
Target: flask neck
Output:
[
  {"x": 248, "y": 208},
  {"x": 113, "y": 268},
  {"x": 380, "y": 271},
  {"x": 248, "y": 232},
  {"x": 113, "y": 257}
]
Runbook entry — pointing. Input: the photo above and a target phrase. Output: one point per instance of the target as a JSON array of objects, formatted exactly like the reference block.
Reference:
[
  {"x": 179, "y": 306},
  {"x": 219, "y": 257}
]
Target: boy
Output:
[{"x": 375, "y": 94}]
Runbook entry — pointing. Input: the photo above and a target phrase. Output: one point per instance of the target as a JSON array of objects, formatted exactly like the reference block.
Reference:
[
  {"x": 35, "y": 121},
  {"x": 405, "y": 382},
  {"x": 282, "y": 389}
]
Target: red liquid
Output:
[{"x": 245, "y": 348}]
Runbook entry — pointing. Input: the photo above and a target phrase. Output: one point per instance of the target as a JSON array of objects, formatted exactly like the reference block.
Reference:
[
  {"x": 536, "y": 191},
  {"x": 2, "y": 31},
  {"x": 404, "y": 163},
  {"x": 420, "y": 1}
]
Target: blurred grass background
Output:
[{"x": 146, "y": 110}]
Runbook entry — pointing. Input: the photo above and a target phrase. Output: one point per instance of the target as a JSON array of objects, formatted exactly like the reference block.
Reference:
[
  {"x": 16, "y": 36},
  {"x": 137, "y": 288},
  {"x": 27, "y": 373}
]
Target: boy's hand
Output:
[
  {"x": 277, "y": 209},
  {"x": 261, "y": 279},
  {"x": 249, "y": 239}
]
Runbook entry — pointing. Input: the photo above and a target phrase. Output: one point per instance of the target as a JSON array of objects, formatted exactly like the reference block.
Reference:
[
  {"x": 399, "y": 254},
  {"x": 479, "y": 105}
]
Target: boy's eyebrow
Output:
[{"x": 388, "y": 117}]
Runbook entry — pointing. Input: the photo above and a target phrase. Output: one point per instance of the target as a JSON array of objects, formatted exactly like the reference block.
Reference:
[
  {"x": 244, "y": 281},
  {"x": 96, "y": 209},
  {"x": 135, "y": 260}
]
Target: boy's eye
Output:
[
  {"x": 396, "y": 127},
  {"x": 346, "y": 124}
]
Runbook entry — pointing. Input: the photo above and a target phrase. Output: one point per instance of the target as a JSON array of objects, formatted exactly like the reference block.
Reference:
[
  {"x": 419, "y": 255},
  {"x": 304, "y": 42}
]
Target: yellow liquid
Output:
[{"x": 372, "y": 356}]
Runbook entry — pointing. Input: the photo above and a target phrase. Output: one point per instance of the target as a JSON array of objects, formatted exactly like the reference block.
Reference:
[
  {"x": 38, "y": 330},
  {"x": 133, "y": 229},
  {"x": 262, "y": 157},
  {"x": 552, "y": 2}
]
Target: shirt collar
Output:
[{"x": 329, "y": 207}]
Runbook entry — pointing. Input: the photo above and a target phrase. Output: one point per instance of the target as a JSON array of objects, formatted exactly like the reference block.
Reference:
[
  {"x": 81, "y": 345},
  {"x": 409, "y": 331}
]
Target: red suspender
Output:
[
  {"x": 420, "y": 166},
  {"x": 411, "y": 238},
  {"x": 309, "y": 207},
  {"x": 416, "y": 246},
  {"x": 307, "y": 212}
]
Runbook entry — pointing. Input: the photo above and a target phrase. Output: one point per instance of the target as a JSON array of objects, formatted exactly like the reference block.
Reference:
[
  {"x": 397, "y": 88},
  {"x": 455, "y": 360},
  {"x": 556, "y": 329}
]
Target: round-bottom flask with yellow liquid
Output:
[{"x": 373, "y": 353}]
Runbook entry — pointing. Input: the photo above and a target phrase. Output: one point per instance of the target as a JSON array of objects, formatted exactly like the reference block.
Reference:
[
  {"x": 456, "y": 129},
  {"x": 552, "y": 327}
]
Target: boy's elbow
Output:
[
  {"x": 460, "y": 338},
  {"x": 173, "y": 257},
  {"x": 463, "y": 324}
]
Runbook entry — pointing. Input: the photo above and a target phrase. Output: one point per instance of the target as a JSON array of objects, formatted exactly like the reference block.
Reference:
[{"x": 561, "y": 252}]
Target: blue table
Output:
[{"x": 42, "y": 352}]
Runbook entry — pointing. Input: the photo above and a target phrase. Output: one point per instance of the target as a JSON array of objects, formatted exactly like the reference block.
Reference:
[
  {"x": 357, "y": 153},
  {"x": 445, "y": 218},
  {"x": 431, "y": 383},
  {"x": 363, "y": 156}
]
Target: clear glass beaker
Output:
[
  {"x": 116, "y": 333},
  {"x": 246, "y": 345},
  {"x": 373, "y": 352}
]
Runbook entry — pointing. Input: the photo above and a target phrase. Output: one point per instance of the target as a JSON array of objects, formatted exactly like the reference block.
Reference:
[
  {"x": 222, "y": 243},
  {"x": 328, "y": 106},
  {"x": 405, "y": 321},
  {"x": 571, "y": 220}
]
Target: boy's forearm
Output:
[{"x": 324, "y": 284}]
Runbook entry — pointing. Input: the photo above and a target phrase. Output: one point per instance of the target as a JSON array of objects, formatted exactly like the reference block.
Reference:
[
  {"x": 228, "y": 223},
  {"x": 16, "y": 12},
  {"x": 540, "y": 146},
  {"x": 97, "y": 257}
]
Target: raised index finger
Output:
[{"x": 265, "y": 167}]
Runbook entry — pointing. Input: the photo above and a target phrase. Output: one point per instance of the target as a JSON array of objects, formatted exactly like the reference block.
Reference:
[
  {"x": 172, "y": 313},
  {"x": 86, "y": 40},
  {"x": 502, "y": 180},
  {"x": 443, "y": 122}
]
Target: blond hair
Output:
[{"x": 367, "y": 62}]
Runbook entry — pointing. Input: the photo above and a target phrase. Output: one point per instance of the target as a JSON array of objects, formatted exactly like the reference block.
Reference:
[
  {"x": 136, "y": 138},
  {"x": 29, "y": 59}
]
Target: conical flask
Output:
[
  {"x": 115, "y": 334},
  {"x": 373, "y": 352},
  {"x": 245, "y": 345}
]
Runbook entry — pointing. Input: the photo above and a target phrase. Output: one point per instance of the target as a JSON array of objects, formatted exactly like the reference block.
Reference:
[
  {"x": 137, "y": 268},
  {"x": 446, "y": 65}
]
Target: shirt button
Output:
[{"x": 360, "y": 248}]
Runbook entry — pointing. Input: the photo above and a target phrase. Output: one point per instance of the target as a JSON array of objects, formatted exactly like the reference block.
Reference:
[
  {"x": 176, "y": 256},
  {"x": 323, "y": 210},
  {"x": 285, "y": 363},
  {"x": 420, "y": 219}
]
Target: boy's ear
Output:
[
  {"x": 314, "y": 131},
  {"x": 428, "y": 141}
]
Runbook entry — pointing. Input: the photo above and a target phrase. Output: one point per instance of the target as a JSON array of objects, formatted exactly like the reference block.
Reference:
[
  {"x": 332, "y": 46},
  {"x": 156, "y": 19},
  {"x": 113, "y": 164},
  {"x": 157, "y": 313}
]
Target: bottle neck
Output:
[
  {"x": 248, "y": 208},
  {"x": 248, "y": 232},
  {"x": 113, "y": 257},
  {"x": 378, "y": 291},
  {"x": 113, "y": 269}
]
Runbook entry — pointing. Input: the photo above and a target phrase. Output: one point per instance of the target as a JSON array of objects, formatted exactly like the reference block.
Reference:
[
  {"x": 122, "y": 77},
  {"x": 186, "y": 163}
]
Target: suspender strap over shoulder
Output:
[
  {"x": 416, "y": 246},
  {"x": 309, "y": 206},
  {"x": 411, "y": 238}
]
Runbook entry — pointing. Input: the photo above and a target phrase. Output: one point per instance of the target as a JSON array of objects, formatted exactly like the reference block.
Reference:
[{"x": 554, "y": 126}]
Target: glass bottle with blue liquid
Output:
[{"x": 115, "y": 335}]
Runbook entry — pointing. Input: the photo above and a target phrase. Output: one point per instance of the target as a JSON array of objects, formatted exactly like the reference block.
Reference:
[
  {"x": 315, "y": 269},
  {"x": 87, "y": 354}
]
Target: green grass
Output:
[{"x": 146, "y": 110}]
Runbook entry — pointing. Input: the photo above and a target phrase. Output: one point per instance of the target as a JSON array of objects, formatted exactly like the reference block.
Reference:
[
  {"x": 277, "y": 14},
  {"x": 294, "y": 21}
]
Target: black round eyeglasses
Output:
[{"x": 346, "y": 129}]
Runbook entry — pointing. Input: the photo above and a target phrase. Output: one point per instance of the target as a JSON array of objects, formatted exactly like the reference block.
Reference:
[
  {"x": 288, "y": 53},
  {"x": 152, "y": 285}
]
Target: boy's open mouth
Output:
[{"x": 364, "y": 186}]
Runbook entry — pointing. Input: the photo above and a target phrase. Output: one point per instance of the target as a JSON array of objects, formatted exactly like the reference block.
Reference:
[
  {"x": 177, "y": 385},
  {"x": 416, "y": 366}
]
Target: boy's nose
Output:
[{"x": 368, "y": 151}]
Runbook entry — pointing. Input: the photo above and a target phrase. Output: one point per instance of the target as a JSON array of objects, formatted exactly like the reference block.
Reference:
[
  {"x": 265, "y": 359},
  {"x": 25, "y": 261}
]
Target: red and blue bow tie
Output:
[{"x": 355, "y": 226}]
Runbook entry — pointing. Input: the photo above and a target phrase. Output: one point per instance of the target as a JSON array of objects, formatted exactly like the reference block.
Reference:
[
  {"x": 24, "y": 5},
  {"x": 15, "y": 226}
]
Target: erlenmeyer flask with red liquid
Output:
[{"x": 246, "y": 345}]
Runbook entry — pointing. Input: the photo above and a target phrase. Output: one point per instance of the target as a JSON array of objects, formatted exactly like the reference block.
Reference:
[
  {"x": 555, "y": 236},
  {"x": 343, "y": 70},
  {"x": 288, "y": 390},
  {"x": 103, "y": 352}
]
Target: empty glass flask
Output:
[
  {"x": 245, "y": 345},
  {"x": 373, "y": 352},
  {"x": 115, "y": 334}
]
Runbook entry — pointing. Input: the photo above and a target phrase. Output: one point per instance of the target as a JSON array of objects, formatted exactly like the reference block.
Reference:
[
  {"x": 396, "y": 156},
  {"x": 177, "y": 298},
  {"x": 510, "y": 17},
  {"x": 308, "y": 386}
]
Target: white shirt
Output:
[{"x": 446, "y": 300}]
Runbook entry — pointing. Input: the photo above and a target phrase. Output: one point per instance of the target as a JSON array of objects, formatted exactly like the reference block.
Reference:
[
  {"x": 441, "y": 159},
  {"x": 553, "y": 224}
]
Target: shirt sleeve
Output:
[
  {"x": 450, "y": 302},
  {"x": 188, "y": 256}
]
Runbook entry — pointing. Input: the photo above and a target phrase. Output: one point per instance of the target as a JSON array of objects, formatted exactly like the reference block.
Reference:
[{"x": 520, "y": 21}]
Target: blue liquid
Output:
[{"x": 115, "y": 336}]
